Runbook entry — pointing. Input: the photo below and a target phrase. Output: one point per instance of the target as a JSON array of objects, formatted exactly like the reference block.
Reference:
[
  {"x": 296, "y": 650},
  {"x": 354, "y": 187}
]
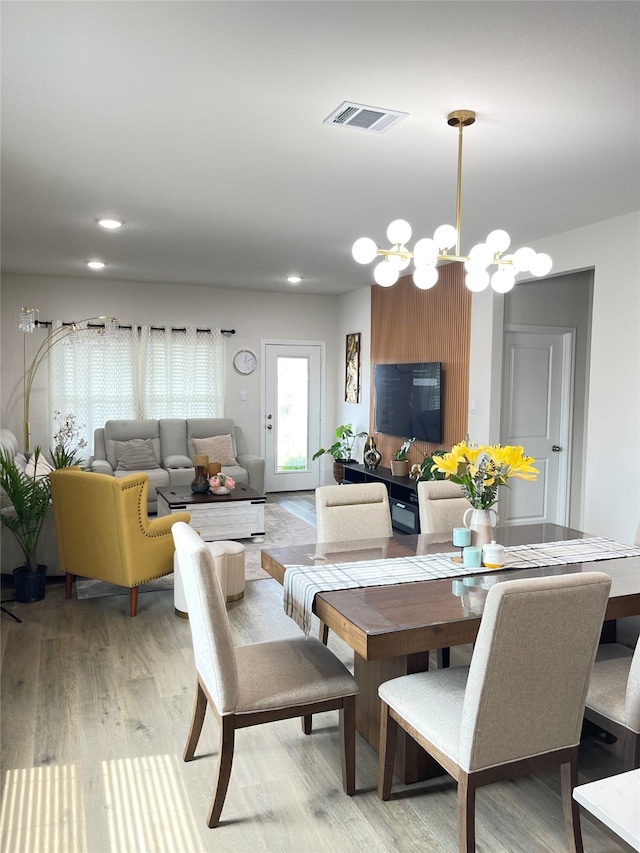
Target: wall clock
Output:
[{"x": 245, "y": 361}]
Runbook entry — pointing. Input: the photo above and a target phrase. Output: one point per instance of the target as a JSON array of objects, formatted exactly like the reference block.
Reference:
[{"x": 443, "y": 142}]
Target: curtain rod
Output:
[{"x": 227, "y": 332}]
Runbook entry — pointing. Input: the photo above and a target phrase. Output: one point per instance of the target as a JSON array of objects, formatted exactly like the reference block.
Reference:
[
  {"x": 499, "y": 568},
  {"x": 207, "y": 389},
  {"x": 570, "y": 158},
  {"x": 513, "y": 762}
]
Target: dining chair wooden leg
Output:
[
  {"x": 348, "y": 739},
  {"x": 197, "y": 719},
  {"x": 569, "y": 780},
  {"x": 466, "y": 813},
  {"x": 133, "y": 601},
  {"x": 307, "y": 724},
  {"x": 386, "y": 751},
  {"x": 225, "y": 761},
  {"x": 323, "y": 634},
  {"x": 68, "y": 582},
  {"x": 631, "y": 750}
]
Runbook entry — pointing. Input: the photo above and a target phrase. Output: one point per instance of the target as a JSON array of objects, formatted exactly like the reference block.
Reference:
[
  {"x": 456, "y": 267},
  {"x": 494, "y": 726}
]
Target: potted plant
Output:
[
  {"x": 400, "y": 459},
  {"x": 425, "y": 470},
  {"x": 341, "y": 449},
  {"x": 30, "y": 496}
]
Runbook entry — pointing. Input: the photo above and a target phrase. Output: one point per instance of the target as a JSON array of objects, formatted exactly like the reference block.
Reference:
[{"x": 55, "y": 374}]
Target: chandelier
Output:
[
  {"x": 428, "y": 251},
  {"x": 104, "y": 328}
]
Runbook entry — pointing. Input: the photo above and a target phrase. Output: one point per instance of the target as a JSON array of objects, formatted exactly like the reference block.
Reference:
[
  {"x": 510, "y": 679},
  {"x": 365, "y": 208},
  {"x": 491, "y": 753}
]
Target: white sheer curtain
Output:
[
  {"x": 182, "y": 372},
  {"x": 140, "y": 372}
]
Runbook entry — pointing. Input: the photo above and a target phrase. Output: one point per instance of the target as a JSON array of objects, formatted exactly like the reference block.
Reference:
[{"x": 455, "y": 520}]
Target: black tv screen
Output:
[{"x": 408, "y": 400}]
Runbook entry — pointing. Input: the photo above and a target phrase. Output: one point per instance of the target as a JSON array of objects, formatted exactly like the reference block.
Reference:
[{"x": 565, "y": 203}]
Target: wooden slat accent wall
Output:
[{"x": 412, "y": 325}]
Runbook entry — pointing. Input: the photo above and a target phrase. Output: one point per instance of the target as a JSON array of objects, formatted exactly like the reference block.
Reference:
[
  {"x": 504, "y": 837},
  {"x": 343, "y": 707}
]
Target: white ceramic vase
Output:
[
  {"x": 221, "y": 490},
  {"x": 481, "y": 524}
]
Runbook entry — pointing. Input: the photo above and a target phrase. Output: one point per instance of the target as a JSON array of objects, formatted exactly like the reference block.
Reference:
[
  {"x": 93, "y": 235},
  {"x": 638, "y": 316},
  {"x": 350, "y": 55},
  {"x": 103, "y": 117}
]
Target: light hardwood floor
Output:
[{"x": 95, "y": 711}]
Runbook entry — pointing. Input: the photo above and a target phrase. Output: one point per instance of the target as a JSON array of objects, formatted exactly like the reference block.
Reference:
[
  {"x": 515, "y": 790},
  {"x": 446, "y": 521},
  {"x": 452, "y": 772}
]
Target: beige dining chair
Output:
[
  {"x": 613, "y": 700},
  {"x": 256, "y": 683},
  {"x": 353, "y": 511},
  {"x": 494, "y": 720},
  {"x": 441, "y": 506},
  {"x": 357, "y": 511}
]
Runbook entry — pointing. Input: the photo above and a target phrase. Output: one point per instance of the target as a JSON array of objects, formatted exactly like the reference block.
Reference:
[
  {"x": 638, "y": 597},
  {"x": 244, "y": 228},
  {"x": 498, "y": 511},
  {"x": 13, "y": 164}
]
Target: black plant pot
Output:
[{"x": 30, "y": 586}]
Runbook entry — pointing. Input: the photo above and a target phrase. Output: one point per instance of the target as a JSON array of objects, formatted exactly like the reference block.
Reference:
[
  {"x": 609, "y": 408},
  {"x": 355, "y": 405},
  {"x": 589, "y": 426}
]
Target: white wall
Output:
[
  {"x": 253, "y": 315},
  {"x": 611, "y": 489}
]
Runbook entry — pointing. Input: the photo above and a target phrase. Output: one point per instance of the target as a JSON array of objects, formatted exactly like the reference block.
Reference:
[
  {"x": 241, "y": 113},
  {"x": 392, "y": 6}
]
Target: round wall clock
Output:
[{"x": 245, "y": 361}]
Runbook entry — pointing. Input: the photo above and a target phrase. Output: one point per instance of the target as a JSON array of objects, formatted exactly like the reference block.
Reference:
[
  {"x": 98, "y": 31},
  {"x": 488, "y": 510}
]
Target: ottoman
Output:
[{"x": 228, "y": 558}]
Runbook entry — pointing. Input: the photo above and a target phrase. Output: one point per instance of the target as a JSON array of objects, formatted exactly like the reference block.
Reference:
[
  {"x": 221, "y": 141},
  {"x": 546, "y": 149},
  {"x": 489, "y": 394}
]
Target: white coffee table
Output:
[{"x": 238, "y": 515}]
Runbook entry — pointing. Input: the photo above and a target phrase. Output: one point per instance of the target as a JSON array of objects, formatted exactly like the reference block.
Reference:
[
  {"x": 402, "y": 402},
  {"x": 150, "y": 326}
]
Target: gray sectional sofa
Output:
[{"x": 172, "y": 442}]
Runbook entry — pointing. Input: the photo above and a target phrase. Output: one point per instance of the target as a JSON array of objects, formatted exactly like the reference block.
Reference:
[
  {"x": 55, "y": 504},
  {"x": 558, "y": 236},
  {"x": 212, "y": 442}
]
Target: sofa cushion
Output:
[
  {"x": 126, "y": 430},
  {"x": 219, "y": 448},
  {"x": 135, "y": 455},
  {"x": 37, "y": 470}
]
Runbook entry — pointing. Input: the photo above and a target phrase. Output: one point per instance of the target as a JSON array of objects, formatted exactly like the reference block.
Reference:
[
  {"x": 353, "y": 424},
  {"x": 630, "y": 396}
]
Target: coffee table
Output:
[{"x": 238, "y": 515}]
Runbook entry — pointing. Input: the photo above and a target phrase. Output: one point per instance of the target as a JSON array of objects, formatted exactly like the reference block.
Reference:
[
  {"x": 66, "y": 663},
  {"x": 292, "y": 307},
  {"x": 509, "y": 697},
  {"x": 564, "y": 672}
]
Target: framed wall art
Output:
[{"x": 352, "y": 369}]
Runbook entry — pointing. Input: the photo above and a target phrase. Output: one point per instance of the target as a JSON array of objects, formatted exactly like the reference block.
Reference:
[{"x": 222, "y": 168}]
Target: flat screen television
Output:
[{"x": 408, "y": 400}]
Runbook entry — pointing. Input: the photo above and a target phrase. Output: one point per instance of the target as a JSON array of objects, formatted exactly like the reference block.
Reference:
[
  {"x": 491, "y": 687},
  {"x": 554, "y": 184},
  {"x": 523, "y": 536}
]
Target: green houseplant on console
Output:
[
  {"x": 30, "y": 496},
  {"x": 400, "y": 459},
  {"x": 341, "y": 450}
]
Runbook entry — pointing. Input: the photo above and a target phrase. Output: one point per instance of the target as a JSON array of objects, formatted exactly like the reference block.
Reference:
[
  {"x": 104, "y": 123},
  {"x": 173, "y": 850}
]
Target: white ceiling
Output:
[{"x": 201, "y": 125}]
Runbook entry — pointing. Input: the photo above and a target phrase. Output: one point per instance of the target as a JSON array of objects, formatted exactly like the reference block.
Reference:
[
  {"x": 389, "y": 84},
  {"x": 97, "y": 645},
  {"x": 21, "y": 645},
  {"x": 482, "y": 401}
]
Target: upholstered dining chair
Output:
[
  {"x": 104, "y": 532},
  {"x": 353, "y": 511},
  {"x": 613, "y": 700},
  {"x": 441, "y": 506},
  {"x": 256, "y": 683},
  {"x": 518, "y": 707},
  {"x": 357, "y": 511}
]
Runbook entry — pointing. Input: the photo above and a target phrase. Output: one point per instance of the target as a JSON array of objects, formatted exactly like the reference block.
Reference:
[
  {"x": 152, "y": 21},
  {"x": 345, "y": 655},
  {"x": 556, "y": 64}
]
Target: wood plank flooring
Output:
[{"x": 95, "y": 711}]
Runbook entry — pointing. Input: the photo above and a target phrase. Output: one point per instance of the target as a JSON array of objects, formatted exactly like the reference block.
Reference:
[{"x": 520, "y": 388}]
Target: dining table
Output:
[{"x": 393, "y": 627}]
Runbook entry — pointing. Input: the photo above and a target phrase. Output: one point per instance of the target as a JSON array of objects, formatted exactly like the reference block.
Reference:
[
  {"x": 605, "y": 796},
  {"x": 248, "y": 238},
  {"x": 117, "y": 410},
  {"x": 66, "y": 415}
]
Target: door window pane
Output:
[{"x": 293, "y": 413}]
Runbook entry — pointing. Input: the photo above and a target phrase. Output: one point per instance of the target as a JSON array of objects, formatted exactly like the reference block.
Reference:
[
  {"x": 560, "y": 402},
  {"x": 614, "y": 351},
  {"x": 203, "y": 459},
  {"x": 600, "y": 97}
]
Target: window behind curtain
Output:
[{"x": 141, "y": 373}]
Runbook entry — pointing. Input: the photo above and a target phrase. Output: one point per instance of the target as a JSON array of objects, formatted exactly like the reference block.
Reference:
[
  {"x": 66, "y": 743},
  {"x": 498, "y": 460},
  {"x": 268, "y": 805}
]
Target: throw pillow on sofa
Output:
[
  {"x": 135, "y": 455},
  {"x": 219, "y": 448}
]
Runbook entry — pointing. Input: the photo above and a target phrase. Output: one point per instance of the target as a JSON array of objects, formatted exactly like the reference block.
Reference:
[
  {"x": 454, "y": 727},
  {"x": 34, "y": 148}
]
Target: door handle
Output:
[{"x": 556, "y": 448}]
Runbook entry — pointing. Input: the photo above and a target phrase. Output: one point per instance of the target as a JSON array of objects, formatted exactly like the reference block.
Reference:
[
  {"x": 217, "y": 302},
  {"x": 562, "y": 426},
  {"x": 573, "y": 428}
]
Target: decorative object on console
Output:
[
  {"x": 427, "y": 252},
  {"x": 424, "y": 470},
  {"x": 103, "y": 327},
  {"x": 341, "y": 450},
  {"x": 200, "y": 483},
  {"x": 371, "y": 456},
  {"x": 352, "y": 369},
  {"x": 222, "y": 484},
  {"x": 400, "y": 459},
  {"x": 479, "y": 470}
]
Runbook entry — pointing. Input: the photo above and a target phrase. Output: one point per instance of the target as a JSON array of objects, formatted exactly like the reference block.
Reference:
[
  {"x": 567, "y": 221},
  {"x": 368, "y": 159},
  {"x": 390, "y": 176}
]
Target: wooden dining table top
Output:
[{"x": 403, "y": 619}]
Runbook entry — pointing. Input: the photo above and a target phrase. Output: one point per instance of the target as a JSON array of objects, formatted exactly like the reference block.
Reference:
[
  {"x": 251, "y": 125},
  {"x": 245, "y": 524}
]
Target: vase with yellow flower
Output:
[{"x": 480, "y": 470}]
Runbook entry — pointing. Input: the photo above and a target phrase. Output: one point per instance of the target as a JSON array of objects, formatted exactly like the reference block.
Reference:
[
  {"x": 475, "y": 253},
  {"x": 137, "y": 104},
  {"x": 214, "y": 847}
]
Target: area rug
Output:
[{"x": 282, "y": 528}]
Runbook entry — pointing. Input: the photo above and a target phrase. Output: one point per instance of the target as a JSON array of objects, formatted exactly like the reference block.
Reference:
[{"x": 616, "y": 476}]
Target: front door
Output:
[
  {"x": 537, "y": 400},
  {"x": 291, "y": 414}
]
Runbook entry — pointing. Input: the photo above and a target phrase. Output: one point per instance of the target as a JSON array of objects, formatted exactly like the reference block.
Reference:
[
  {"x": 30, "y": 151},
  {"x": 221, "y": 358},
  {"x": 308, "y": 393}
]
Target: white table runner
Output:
[{"x": 301, "y": 583}]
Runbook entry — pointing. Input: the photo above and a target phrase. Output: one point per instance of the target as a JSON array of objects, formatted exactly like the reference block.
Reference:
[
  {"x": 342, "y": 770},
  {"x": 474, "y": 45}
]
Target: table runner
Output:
[{"x": 301, "y": 583}]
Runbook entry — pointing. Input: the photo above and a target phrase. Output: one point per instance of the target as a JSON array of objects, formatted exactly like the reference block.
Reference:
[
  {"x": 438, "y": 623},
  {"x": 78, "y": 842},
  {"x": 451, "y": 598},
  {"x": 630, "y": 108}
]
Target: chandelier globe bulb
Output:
[
  {"x": 364, "y": 250},
  {"x": 425, "y": 277},
  {"x": 481, "y": 255},
  {"x": 399, "y": 232},
  {"x": 477, "y": 280},
  {"x": 399, "y": 262},
  {"x": 542, "y": 264},
  {"x": 502, "y": 281},
  {"x": 385, "y": 274},
  {"x": 523, "y": 259},
  {"x": 498, "y": 241},
  {"x": 445, "y": 236},
  {"x": 425, "y": 252}
]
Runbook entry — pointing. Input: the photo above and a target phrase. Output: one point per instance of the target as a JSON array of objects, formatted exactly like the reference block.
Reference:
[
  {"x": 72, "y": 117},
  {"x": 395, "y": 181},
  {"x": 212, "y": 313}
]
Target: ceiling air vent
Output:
[{"x": 361, "y": 117}]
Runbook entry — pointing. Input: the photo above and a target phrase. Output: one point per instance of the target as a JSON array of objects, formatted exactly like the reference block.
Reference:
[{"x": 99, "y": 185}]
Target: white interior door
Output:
[
  {"x": 291, "y": 414},
  {"x": 537, "y": 400}
]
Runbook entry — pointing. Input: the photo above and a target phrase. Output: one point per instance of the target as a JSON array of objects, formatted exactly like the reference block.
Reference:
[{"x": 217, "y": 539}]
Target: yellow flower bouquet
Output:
[{"x": 480, "y": 469}]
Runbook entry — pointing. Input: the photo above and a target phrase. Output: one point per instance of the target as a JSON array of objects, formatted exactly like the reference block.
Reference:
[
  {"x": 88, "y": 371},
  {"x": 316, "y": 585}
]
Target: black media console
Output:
[{"x": 403, "y": 500}]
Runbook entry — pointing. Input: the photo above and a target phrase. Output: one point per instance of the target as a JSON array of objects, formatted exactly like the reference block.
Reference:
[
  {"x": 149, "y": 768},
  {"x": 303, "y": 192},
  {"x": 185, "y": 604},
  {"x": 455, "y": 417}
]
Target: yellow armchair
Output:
[{"x": 104, "y": 531}]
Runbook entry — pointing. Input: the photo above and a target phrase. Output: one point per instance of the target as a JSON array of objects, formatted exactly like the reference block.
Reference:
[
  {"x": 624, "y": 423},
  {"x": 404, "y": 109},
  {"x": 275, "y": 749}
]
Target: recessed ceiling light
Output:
[
  {"x": 96, "y": 265},
  {"x": 294, "y": 279},
  {"x": 111, "y": 224}
]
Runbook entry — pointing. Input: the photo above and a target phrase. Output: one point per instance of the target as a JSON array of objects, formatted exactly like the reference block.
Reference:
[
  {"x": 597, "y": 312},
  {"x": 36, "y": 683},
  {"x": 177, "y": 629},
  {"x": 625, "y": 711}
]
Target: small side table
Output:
[
  {"x": 228, "y": 558},
  {"x": 614, "y": 803}
]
